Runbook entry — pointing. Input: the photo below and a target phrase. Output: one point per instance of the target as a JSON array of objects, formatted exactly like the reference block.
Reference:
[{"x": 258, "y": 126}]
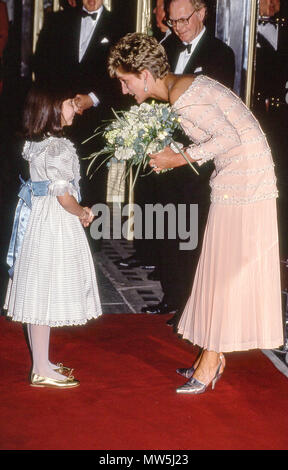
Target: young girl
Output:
[{"x": 53, "y": 280}]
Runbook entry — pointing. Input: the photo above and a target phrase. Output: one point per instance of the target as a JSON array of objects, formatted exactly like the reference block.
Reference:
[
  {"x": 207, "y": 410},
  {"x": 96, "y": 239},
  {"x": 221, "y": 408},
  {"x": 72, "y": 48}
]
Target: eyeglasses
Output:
[{"x": 180, "y": 22}]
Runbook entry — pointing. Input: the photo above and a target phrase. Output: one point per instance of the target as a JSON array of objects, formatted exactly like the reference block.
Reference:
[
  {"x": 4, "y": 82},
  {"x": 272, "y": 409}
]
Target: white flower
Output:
[
  {"x": 133, "y": 134},
  {"x": 124, "y": 153},
  {"x": 162, "y": 135}
]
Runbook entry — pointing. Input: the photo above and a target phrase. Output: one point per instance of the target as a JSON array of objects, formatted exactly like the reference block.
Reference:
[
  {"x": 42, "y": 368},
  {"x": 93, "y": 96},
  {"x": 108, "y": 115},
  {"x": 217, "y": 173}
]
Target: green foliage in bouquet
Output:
[{"x": 134, "y": 134}]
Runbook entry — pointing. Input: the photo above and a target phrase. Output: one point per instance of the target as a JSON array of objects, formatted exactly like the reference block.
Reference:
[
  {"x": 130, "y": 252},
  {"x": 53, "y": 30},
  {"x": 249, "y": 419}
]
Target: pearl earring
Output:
[{"x": 145, "y": 86}]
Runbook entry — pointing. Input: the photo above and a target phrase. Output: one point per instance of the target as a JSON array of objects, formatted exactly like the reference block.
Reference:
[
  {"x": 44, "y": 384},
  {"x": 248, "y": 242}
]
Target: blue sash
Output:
[{"x": 22, "y": 214}]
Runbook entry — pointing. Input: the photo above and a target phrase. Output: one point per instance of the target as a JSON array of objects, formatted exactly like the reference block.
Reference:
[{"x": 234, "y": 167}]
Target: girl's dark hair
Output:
[{"x": 42, "y": 113}]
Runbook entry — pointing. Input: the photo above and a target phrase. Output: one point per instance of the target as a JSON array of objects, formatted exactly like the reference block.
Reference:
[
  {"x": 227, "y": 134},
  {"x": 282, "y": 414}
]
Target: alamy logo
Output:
[{"x": 154, "y": 221}]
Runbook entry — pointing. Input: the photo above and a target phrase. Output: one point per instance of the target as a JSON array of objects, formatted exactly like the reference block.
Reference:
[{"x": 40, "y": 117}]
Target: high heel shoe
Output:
[
  {"x": 196, "y": 387},
  {"x": 186, "y": 372},
  {"x": 189, "y": 372},
  {"x": 40, "y": 381}
]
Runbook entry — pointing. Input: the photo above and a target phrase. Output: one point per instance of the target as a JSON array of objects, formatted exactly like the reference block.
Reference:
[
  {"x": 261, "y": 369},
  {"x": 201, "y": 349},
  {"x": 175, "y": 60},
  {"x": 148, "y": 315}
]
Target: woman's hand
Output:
[
  {"x": 86, "y": 217},
  {"x": 166, "y": 159}
]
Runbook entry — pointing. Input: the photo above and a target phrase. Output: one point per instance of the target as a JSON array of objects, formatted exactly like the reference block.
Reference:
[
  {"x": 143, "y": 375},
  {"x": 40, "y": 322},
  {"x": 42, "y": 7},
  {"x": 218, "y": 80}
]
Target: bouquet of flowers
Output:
[{"x": 135, "y": 134}]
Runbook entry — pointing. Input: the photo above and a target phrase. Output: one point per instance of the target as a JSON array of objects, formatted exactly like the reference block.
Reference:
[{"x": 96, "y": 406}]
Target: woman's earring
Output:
[{"x": 145, "y": 86}]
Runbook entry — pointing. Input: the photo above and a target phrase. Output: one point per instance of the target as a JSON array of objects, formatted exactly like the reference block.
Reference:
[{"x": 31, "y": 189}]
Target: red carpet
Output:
[{"x": 127, "y": 400}]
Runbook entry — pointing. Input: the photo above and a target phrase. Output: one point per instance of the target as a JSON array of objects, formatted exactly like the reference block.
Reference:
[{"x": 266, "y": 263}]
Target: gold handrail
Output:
[
  {"x": 251, "y": 62},
  {"x": 108, "y": 4},
  {"x": 143, "y": 23},
  {"x": 37, "y": 21},
  {"x": 143, "y": 20},
  {"x": 56, "y": 5}
]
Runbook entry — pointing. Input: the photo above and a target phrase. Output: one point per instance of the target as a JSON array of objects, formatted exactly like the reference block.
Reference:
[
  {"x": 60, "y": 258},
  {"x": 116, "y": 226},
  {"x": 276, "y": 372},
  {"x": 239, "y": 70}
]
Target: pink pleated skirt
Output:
[{"x": 235, "y": 303}]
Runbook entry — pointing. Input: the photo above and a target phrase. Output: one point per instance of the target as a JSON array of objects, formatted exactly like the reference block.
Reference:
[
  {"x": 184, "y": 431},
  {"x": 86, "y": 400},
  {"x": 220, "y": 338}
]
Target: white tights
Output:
[{"x": 39, "y": 339}]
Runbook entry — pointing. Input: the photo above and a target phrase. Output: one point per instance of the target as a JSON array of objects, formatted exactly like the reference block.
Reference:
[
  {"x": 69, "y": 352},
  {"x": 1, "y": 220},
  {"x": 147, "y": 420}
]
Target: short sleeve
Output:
[{"x": 59, "y": 168}]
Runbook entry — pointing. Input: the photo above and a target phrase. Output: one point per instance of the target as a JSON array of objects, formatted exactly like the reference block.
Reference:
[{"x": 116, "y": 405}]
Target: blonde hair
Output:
[
  {"x": 196, "y": 4},
  {"x": 136, "y": 52}
]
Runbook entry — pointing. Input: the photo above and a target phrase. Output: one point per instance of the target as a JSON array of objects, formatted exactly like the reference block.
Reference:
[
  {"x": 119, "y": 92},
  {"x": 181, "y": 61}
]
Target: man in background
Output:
[
  {"x": 161, "y": 30},
  {"x": 192, "y": 48}
]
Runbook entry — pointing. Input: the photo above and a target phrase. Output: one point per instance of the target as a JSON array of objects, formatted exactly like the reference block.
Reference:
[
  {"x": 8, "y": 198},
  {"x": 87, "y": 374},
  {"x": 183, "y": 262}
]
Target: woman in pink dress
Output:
[{"x": 235, "y": 303}]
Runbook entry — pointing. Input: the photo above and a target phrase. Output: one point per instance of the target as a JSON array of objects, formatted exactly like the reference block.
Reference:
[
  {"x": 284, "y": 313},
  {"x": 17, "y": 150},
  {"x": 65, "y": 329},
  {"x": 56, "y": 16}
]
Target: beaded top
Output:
[{"x": 223, "y": 129}]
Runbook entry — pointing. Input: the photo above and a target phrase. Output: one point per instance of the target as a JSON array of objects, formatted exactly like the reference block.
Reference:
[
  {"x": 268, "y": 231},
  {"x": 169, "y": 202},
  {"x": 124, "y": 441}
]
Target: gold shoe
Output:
[
  {"x": 63, "y": 370},
  {"x": 40, "y": 381}
]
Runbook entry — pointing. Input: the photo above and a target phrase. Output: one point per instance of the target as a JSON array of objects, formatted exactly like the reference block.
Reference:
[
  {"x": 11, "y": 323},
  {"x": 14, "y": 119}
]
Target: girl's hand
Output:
[
  {"x": 75, "y": 107},
  {"x": 83, "y": 102},
  {"x": 87, "y": 217},
  {"x": 165, "y": 159}
]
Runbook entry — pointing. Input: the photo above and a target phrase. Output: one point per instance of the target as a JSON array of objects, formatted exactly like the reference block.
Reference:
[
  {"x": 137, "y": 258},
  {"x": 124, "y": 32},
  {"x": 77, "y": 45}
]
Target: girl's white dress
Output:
[{"x": 54, "y": 281}]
